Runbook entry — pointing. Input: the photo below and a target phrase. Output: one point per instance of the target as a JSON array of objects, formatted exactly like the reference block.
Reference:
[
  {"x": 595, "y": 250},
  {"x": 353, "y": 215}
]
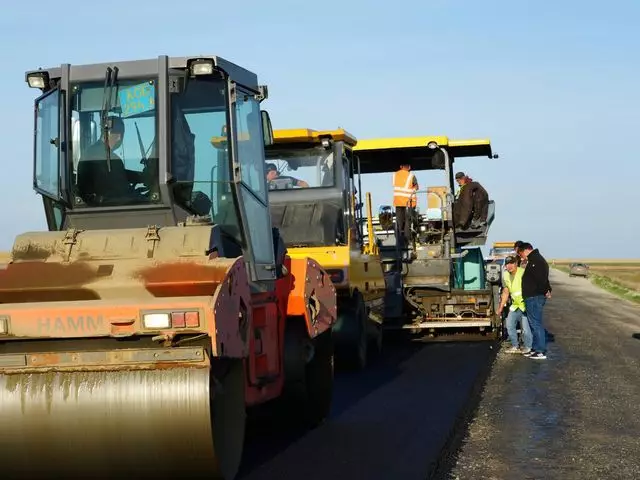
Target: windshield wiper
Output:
[
  {"x": 109, "y": 83},
  {"x": 143, "y": 151}
]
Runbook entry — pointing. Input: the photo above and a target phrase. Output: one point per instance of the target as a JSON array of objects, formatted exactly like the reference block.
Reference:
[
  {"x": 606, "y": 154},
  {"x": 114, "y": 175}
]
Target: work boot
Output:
[{"x": 537, "y": 356}]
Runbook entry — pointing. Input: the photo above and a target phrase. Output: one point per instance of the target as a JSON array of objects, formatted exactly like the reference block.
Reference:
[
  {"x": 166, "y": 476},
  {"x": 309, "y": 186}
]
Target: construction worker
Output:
[
  {"x": 516, "y": 247},
  {"x": 99, "y": 180},
  {"x": 512, "y": 289},
  {"x": 536, "y": 289},
  {"x": 273, "y": 174},
  {"x": 405, "y": 186},
  {"x": 471, "y": 205}
]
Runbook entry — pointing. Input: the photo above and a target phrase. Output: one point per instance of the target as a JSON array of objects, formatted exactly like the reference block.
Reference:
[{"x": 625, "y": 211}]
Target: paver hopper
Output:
[{"x": 161, "y": 303}]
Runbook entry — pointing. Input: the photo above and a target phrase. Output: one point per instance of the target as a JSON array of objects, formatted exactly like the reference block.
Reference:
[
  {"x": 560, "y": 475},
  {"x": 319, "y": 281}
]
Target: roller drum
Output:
[{"x": 168, "y": 423}]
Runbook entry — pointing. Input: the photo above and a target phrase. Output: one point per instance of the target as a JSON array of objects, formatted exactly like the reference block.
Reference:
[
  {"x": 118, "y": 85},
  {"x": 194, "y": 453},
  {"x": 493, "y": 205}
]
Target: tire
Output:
[
  {"x": 319, "y": 381},
  {"x": 228, "y": 418},
  {"x": 362, "y": 346},
  {"x": 353, "y": 342},
  {"x": 375, "y": 340},
  {"x": 308, "y": 389}
]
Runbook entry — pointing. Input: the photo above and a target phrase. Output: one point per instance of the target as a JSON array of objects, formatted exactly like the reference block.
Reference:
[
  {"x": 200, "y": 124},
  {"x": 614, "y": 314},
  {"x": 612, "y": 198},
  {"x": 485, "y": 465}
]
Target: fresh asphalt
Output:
[{"x": 393, "y": 420}]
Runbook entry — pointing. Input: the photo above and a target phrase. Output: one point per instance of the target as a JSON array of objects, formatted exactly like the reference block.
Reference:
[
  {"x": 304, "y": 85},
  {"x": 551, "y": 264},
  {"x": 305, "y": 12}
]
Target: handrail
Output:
[
  {"x": 371, "y": 247},
  {"x": 445, "y": 213}
]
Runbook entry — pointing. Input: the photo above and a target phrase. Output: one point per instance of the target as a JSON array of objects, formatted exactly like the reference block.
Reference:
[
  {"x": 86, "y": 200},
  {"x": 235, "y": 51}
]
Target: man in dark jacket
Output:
[
  {"x": 535, "y": 291},
  {"x": 516, "y": 248},
  {"x": 471, "y": 206}
]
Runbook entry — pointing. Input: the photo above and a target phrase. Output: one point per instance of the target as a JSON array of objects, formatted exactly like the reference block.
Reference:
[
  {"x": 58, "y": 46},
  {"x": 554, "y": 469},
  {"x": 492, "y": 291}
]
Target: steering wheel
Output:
[{"x": 281, "y": 183}]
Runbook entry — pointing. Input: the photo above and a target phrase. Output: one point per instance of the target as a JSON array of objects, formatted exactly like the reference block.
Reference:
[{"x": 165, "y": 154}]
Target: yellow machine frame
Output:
[{"x": 355, "y": 268}]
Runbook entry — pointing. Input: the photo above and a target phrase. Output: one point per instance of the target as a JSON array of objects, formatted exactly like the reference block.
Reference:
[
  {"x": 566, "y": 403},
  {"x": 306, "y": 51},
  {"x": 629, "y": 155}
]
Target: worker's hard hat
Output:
[
  {"x": 510, "y": 259},
  {"x": 460, "y": 175}
]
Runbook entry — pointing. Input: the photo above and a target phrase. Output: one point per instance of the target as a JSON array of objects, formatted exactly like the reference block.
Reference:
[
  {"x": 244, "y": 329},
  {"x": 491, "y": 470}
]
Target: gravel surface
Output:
[
  {"x": 389, "y": 422},
  {"x": 573, "y": 415}
]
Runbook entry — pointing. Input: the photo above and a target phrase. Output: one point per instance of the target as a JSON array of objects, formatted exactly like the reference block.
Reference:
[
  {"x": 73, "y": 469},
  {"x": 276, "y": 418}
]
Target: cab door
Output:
[
  {"x": 49, "y": 172},
  {"x": 250, "y": 137},
  {"x": 252, "y": 185}
]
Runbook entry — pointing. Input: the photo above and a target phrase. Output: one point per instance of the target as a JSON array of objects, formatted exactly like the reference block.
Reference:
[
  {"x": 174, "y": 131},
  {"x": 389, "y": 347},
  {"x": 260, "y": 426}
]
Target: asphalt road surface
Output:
[
  {"x": 390, "y": 421},
  {"x": 574, "y": 415}
]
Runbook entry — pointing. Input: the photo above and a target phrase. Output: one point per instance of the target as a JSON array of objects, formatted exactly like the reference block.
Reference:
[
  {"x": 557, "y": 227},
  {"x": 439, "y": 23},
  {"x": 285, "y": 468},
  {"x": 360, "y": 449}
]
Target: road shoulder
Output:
[{"x": 572, "y": 415}]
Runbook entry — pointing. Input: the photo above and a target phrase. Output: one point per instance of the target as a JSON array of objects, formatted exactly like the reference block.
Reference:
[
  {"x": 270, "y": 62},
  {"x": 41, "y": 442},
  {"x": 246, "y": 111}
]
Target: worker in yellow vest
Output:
[
  {"x": 512, "y": 288},
  {"x": 405, "y": 185}
]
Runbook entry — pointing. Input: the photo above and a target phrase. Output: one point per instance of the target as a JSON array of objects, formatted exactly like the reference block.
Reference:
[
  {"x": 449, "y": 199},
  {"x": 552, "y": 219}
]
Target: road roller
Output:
[
  {"x": 160, "y": 307},
  {"x": 313, "y": 181}
]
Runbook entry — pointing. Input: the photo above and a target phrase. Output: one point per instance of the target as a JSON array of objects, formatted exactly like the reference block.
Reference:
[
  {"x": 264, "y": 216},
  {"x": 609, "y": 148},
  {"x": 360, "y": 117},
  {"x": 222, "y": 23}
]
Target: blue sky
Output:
[{"x": 555, "y": 88}]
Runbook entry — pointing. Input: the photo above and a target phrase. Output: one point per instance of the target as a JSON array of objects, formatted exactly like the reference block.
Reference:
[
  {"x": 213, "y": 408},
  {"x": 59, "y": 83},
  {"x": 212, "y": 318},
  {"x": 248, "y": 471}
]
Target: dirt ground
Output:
[
  {"x": 574, "y": 415},
  {"x": 624, "y": 274},
  {"x": 628, "y": 276}
]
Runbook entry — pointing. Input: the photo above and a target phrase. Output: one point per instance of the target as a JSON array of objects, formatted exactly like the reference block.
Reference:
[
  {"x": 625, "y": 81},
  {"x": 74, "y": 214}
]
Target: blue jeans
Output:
[
  {"x": 534, "y": 307},
  {"x": 512, "y": 321}
]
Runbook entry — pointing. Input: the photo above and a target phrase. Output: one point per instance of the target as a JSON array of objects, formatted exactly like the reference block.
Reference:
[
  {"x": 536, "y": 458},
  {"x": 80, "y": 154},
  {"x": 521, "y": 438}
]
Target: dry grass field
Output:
[{"x": 621, "y": 277}]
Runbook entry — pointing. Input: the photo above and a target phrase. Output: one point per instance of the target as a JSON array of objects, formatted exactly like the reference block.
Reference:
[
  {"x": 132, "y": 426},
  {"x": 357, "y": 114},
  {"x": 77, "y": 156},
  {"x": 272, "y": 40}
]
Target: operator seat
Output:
[
  {"x": 436, "y": 202},
  {"x": 98, "y": 180}
]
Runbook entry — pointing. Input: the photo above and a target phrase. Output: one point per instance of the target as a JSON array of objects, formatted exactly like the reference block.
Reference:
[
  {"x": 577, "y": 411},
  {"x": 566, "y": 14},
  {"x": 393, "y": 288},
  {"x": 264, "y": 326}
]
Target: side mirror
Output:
[{"x": 267, "y": 130}]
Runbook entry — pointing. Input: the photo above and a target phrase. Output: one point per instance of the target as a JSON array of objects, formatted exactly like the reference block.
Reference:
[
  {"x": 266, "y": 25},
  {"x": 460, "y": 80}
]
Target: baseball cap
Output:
[{"x": 510, "y": 259}]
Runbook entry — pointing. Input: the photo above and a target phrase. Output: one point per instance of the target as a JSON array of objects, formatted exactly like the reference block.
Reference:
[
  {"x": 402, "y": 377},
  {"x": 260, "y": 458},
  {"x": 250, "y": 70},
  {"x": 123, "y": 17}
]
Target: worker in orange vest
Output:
[{"x": 405, "y": 185}]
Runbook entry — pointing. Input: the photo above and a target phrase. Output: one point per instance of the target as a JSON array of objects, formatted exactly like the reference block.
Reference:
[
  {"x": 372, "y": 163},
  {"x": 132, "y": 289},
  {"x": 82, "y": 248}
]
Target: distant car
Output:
[{"x": 578, "y": 270}]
